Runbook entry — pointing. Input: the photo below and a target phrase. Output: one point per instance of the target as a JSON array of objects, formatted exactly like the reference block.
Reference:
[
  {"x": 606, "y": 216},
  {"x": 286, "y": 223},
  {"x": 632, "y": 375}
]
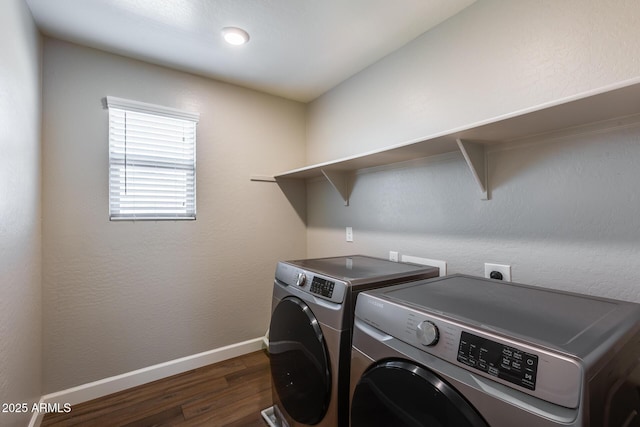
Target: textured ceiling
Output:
[{"x": 298, "y": 49}]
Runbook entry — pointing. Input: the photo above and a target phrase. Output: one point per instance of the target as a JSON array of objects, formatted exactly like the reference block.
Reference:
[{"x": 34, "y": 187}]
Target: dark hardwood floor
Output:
[{"x": 229, "y": 393}]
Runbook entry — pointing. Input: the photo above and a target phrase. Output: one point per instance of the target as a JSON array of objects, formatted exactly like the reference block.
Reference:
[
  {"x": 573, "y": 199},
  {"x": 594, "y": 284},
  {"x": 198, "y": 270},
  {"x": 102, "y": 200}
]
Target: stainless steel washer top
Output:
[
  {"x": 576, "y": 324},
  {"x": 570, "y": 350}
]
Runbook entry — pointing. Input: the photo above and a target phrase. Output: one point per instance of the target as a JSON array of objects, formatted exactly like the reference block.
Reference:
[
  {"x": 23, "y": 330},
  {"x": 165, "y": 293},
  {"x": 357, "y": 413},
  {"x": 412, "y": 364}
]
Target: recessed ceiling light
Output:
[{"x": 235, "y": 36}]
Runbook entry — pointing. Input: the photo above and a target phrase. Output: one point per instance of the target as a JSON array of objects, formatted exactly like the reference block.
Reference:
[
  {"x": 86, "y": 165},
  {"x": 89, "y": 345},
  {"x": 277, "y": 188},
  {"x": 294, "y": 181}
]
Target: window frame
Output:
[{"x": 136, "y": 107}]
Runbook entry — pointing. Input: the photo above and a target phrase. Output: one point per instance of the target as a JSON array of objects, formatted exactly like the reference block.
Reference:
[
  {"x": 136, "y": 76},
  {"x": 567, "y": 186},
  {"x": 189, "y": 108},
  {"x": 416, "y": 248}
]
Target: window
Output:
[{"x": 152, "y": 161}]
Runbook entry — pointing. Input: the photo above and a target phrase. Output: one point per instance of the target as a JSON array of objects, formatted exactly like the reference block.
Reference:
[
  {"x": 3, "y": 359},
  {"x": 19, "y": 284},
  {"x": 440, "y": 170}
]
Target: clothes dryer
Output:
[
  {"x": 462, "y": 351},
  {"x": 310, "y": 332}
]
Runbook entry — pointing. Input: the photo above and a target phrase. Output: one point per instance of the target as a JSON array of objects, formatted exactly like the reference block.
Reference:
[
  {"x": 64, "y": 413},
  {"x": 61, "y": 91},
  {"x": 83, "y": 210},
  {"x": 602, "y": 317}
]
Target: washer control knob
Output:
[
  {"x": 301, "y": 279},
  {"x": 427, "y": 333}
]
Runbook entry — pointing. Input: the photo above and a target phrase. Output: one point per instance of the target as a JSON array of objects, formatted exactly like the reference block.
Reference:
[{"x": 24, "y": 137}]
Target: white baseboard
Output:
[{"x": 96, "y": 389}]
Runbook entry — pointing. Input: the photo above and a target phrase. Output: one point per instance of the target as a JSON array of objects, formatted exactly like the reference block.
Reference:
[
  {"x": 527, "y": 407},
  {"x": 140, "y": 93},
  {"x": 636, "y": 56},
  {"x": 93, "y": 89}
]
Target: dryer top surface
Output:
[{"x": 364, "y": 269}]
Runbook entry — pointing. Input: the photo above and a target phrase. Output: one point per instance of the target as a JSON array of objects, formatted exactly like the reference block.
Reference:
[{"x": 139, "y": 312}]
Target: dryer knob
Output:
[
  {"x": 427, "y": 333},
  {"x": 301, "y": 279}
]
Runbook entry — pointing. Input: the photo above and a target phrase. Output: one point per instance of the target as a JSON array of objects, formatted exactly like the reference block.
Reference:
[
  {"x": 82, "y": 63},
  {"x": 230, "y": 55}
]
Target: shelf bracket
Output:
[
  {"x": 475, "y": 155},
  {"x": 339, "y": 180}
]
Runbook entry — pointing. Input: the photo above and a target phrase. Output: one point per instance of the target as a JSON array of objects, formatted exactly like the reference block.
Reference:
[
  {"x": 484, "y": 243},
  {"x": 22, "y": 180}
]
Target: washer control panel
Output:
[
  {"x": 499, "y": 360},
  {"x": 495, "y": 355},
  {"x": 427, "y": 333}
]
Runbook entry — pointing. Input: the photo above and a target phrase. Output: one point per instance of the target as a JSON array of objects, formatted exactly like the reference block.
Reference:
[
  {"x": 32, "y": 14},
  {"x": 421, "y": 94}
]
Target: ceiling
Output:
[{"x": 298, "y": 49}]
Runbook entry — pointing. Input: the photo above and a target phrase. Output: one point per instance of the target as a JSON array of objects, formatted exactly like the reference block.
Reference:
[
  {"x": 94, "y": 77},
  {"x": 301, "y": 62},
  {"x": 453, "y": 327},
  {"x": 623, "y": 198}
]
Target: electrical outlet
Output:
[
  {"x": 393, "y": 256},
  {"x": 349, "y": 234},
  {"x": 503, "y": 269}
]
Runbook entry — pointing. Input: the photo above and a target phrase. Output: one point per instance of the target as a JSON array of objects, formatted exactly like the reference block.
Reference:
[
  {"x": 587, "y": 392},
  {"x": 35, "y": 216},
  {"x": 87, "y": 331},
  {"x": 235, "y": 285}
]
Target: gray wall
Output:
[
  {"x": 494, "y": 58},
  {"x": 563, "y": 214},
  {"x": 20, "y": 228},
  {"x": 564, "y": 209},
  {"x": 123, "y": 295}
]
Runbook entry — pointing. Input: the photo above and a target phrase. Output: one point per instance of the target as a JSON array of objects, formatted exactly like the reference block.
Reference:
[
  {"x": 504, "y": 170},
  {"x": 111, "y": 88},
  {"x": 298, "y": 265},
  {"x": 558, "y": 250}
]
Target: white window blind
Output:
[{"x": 152, "y": 161}]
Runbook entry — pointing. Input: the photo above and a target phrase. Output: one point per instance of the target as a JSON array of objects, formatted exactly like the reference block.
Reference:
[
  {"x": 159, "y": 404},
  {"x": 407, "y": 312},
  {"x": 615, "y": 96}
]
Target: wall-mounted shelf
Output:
[{"x": 611, "y": 102}]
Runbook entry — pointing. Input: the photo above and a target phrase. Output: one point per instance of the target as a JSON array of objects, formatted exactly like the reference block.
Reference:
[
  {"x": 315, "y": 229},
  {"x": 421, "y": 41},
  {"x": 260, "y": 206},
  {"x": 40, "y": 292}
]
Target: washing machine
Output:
[
  {"x": 464, "y": 351},
  {"x": 310, "y": 332}
]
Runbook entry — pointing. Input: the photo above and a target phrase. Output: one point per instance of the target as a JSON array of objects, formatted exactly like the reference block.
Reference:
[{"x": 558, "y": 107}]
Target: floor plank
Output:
[{"x": 230, "y": 393}]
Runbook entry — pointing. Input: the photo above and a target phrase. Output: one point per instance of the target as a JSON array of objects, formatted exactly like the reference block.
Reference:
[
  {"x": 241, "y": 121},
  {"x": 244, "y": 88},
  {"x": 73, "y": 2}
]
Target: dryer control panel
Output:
[
  {"x": 322, "y": 287},
  {"x": 318, "y": 285}
]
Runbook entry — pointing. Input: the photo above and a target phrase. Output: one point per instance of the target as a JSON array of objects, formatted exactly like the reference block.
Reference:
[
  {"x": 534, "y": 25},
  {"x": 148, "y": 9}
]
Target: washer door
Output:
[
  {"x": 400, "y": 393},
  {"x": 299, "y": 361}
]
